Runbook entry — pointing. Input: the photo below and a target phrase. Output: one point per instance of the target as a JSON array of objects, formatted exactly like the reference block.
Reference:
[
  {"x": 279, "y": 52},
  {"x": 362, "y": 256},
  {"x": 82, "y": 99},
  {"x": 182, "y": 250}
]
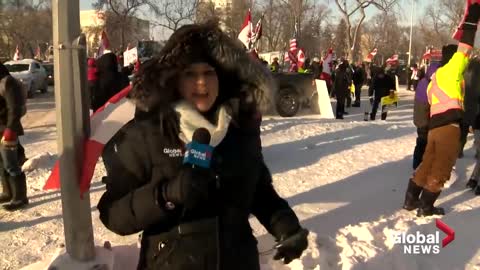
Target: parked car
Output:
[
  {"x": 295, "y": 91},
  {"x": 30, "y": 73},
  {"x": 49, "y": 68}
]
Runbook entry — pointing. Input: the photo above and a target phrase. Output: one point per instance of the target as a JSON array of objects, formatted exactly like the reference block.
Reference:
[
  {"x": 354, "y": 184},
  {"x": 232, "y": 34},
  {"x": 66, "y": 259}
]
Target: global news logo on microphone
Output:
[
  {"x": 198, "y": 154},
  {"x": 416, "y": 243}
]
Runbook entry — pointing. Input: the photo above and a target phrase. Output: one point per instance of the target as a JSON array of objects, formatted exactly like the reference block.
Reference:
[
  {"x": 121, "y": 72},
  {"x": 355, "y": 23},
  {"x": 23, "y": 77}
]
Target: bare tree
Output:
[
  {"x": 440, "y": 21},
  {"x": 175, "y": 13},
  {"x": 206, "y": 11},
  {"x": 350, "y": 10},
  {"x": 26, "y": 24},
  {"x": 123, "y": 11}
]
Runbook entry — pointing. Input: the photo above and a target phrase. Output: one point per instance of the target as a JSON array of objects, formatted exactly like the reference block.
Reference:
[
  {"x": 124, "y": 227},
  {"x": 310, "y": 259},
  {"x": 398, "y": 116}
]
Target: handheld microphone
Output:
[{"x": 199, "y": 152}]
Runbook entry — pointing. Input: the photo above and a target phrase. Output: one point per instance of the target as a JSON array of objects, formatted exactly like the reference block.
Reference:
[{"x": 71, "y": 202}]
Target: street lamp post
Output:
[{"x": 411, "y": 33}]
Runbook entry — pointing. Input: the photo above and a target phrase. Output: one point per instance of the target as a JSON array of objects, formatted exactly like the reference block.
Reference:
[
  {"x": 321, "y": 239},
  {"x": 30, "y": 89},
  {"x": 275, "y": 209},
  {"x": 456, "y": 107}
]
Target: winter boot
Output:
[
  {"x": 411, "y": 196},
  {"x": 472, "y": 183},
  {"x": 18, "y": 185},
  {"x": 6, "y": 194},
  {"x": 365, "y": 116},
  {"x": 372, "y": 116},
  {"x": 477, "y": 190},
  {"x": 427, "y": 200},
  {"x": 384, "y": 116}
]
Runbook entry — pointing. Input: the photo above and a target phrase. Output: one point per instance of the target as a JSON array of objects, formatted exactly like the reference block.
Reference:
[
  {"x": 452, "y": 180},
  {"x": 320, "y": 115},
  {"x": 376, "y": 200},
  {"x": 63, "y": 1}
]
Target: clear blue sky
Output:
[{"x": 85, "y": 4}]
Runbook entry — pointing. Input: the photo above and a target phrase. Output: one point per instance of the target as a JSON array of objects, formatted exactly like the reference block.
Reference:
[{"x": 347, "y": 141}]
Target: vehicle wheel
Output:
[
  {"x": 44, "y": 88},
  {"x": 31, "y": 91},
  {"x": 287, "y": 102},
  {"x": 314, "y": 104}
]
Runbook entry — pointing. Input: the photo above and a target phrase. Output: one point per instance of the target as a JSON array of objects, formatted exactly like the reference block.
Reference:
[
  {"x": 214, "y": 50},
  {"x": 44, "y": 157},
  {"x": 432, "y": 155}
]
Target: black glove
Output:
[
  {"x": 291, "y": 247},
  {"x": 470, "y": 25},
  {"x": 190, "y": 188}
]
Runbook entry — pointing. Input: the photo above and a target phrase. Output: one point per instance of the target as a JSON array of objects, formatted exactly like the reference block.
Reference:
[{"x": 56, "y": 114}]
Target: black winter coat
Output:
[
  {"x": 341, "y": 84},
  {"x": 382, "y": 85},
  {"x": 110, "y": 81},
  {"x": 147, "y": 152},
  {"x": 141, "y": 157},
  {"x": 11, "y": 105}
]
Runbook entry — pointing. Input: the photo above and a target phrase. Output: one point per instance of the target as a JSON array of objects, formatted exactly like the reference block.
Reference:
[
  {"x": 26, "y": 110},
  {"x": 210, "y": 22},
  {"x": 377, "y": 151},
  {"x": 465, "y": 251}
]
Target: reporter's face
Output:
[{"x": 198, "y": 85}]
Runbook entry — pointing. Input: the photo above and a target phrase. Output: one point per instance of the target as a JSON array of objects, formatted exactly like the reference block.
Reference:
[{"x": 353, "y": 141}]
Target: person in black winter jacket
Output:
[
  {"x": 358, "y": 80},
  {"x": 109, "y": 80},
  {"x": 381, "y": 85},
  {"x": 472, "y": 84},
  {"x": 197, "y": 219},
  {"x": 12, "y": 108},
  {"x": 341, "y": 86}
]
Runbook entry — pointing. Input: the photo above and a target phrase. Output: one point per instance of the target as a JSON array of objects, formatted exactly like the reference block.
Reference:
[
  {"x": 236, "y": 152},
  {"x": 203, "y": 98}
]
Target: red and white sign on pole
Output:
[{"x": 130, "y": 56}]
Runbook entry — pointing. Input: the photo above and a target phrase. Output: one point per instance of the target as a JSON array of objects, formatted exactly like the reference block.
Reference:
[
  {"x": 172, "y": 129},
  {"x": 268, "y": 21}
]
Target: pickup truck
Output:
[{"x": 295, "y": 91}]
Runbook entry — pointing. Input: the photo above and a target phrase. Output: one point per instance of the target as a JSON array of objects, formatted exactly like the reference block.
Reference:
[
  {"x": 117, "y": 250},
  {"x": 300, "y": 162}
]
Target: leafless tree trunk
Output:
[
  {"x": 348, "y": 14},
  {"x": 123, "y": 11},
  {"x": 26, "y": 24}
]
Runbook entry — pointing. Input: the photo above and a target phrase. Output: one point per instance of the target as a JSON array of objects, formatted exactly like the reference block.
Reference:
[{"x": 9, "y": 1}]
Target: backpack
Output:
[{"x": 18, "y": 86}]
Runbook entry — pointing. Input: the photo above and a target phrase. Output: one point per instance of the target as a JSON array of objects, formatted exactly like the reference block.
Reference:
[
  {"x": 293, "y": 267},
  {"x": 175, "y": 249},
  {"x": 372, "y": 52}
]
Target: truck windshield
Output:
[{"x": 17, "y": 67}]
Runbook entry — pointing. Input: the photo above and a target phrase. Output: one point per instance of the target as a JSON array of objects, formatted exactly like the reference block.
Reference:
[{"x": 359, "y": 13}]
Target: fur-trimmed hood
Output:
[{"x": 240, "y": 75}]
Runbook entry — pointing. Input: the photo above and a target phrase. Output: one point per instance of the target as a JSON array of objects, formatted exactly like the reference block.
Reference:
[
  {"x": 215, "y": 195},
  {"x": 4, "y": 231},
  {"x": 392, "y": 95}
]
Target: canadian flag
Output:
[
  {"x": 17, "y": 55},
  {"x": 104, "y": 124},
  {"x": 328, "y": 62},
  {"x": 459, "y": 32},
  {"x": 38, "y": 53},
  {"x": 371, "y": 55},
  {"x": 104, "y": 46},
  {"x": 300, "y": 57},
  {"x": 392, "y": 60},
  {"x": 245, "y": 35},
  {"x": 257, "y": 32}
]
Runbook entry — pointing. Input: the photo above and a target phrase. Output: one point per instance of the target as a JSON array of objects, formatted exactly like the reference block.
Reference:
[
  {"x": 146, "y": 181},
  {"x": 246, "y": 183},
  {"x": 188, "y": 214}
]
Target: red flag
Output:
[
  {"x": 291, "y": 54},
  {"x": 257, "y": 33},
  {"x": 245, "y": 35},
  {"x": 392, "y": 60},
  {"x": 17, "y": 55},
  {"x": 38, "y": 53},
  {"x": 459, "y": 32},
  {"x": 301, "y": 57},
  {"x": 371, "y": 55},
  {"x": 104, "y": 45},
  {"x": 104, "y": 123},
  {"x": 327, "y": 64}
]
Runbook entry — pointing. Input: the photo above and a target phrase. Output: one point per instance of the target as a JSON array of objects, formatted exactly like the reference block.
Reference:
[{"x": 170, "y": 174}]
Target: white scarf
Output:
[{"x": 191, "y": 119}]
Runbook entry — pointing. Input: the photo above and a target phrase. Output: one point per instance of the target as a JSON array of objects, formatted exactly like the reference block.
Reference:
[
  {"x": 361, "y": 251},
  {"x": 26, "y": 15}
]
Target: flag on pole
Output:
[
  {"x": 290, "y": 55},
  {"x": 104, "y": 46},
  {"x": 38, "y": 53},
  {"x": 459, "y": 32},
  {"x": 257, "y": 32},
  {"x": 245, "y": 35},
  {"x": 393, "y": 60},
  {"x": 104, "y": 124},
  {"x": 17, "y": 55},
  {"x": 300, "y": 57},
  {"x": 371, "y": 55}
]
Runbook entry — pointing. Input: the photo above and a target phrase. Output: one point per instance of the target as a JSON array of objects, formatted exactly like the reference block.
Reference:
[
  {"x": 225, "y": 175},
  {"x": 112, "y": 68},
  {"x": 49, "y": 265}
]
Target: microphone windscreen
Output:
[{"x": 202, "y": 136}]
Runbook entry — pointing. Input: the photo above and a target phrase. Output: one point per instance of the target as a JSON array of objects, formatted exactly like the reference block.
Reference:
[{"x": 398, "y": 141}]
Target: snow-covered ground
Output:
[{"x": 345, "y": 180}]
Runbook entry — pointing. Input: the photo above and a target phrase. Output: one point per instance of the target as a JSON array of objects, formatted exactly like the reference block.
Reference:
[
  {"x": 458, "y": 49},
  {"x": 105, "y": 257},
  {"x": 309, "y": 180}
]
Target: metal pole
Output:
[
  {"x": 71, "y": 127},
  {"x": 411, "y": 33}
]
